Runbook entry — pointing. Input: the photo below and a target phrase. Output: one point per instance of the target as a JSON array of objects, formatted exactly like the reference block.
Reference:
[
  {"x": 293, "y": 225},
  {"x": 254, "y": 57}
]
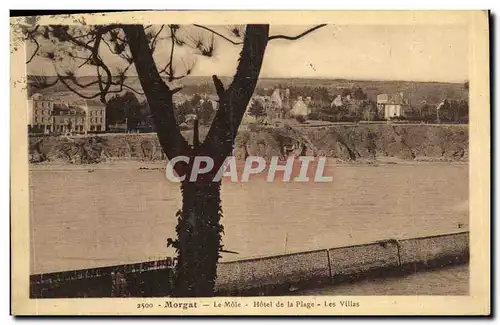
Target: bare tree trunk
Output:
[
  {"x": 199, "y": 234},
  {"x": 158, "y": 94},
  {"x": 199, "y": 230}
]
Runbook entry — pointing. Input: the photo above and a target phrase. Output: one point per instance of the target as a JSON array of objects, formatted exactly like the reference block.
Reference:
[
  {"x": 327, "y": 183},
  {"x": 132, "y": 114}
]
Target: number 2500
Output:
[{"x": 143, "y": 305}]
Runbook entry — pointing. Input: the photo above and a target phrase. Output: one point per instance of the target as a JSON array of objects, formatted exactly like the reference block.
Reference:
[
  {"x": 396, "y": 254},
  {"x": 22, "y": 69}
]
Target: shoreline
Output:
[{"x": 160, "y": 165}]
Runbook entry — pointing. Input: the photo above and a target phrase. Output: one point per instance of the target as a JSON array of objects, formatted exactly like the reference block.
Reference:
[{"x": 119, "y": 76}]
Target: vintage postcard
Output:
[{"x": 251, "y": 163}]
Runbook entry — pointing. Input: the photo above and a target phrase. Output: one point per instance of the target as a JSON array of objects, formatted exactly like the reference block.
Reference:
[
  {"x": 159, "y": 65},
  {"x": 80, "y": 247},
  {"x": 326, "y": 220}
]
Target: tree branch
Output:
[
  {"x": 170, "y": 62},
  {"x": 122, "y": 85},
  {"x": 219, "y": 86},
  {"x": 63, "y": 80},
  {"x": 104, "y": 86},
  {"x": 218, "y": 34},
  {"x": 233, "y": 103},
  {"x": 153, "y": 42},
  {"x": 293, "y": 38},
  {"x": 164, "y": 68},
  {"x": 176, "y": 90},
  {"x": 158, "y": 94},
  {"x": 33, "y": 38},
  {"x": 35, "y": 52}
]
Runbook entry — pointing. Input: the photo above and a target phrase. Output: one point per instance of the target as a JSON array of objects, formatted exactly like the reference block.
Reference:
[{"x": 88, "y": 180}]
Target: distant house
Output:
[
  {"x": 392, "y": 105},
  {"x": 337, "y": 102},
  {"x": 300, "y": 108},
  {"x": 40, "y": 111},
  {"x": 49, "y": 115},
  {"x": 278, "y": 104},
  {"x": 68, "y": 118},
  {"x": 95, "y": 114},
  {"x": 276, "y": 99}
]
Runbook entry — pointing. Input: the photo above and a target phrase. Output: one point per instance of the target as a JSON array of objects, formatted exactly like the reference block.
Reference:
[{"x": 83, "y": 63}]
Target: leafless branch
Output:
[
  {"x": 293, "y": 38},
  {"x": 31, "y": 36},
  {"x": 85, "y": 62},
  {"x": 153, "y": 42},
  {"x": 83, "y": 35},
  {"x": 164, "y": 68},
  {"x": 83, "y": 86},
  {"x": 170, "y": 63},
  {"x": 35, "y": 52},
  {"x": 63, "y": 80},
  {"x": 94, "y": 58},
  {"x": 218, "y": 34},
  {"x": 109, "y": 46},
  {"x": 176, "y": 90},
  {"x": 123, "y": 85}
]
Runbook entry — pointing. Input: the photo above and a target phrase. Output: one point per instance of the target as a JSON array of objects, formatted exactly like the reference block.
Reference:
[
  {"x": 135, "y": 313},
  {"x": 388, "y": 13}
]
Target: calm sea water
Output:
[{"x": 106, "y": 217}]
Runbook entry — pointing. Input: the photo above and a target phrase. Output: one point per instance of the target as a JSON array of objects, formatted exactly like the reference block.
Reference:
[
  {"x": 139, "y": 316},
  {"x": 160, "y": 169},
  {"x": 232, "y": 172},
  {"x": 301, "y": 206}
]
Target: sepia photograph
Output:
[{"x": 283, "y": 161}]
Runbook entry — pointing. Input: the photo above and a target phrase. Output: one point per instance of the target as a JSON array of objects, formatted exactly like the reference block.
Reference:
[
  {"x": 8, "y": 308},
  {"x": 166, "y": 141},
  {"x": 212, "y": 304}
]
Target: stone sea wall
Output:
[{"x": 271, "y": 275}]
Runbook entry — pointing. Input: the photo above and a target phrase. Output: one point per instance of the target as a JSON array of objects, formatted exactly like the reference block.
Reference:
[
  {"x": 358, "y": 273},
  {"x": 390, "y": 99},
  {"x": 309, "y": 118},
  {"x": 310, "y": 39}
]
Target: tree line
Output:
[{"x": 125, "y": 112}]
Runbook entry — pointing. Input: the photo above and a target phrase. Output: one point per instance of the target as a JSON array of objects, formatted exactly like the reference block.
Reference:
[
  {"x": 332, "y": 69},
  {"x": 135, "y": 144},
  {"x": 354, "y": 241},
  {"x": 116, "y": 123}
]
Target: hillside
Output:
[{"x": 415, "y": 91}]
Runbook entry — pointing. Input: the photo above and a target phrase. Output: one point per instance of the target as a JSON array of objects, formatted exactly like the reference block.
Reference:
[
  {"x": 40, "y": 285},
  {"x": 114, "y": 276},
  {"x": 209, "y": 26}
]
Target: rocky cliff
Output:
[{"x": 345, "y": 143}]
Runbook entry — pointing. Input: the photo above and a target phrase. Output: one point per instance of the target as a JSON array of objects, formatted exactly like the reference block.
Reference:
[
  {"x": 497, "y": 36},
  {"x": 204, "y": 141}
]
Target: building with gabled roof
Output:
[{"x": 392, "y": 105}]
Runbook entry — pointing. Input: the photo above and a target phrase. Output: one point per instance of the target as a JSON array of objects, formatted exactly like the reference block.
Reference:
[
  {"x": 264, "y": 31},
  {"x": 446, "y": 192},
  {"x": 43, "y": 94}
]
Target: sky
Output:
[{"x": 362, "y": 52}]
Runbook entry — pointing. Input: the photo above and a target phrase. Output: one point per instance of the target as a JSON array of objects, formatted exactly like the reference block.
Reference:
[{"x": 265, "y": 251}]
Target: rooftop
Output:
[{"x": 396, "y": 99}]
